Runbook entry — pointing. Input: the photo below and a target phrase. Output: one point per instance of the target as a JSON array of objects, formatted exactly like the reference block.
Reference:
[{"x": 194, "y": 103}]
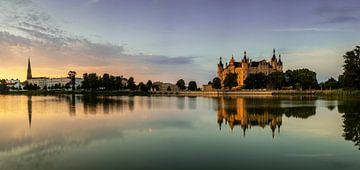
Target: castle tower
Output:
[
  {"x": 273, "y": 60},
  {"x": 29, "y": 75},
  {"x": 220, "y": 69}
]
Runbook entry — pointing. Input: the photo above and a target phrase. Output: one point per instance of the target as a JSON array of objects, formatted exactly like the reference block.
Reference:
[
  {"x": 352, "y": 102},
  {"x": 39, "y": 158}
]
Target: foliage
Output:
[
  {"x": 192, "y": 86},
  {"x": 181, "y": 84},
  {"x": 331, "y": 83},
  {"x": 71, "y": 76},
  {"x": 351, "y": 75},
  {"x": 131, "y": 84},
  {"x": 230, "y": 80},
  {"x": 256, "y": 81},
  {"x": 276, "y": 80},
  {"x": 149, "y": 85},
  {"x": 216, "y": 83},
  {"x": 31, "y": 86},
  {"x": 142, "y": 87},
  {"x": 3, "y": 87}
]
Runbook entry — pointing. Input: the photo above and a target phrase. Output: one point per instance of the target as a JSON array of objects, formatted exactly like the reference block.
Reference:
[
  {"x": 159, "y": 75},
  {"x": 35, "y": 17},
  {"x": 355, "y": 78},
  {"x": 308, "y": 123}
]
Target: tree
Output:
[
  {"x": 352, "y": 69},
  {"x": 131, "y": 84},
  {"x": 118, "y": 83},
  {"x": 142, "y": 87},
  {"x": 181, "y": 84},
  {"x": 85, "y": 82},
  {"x": 230, "y": 80},
  {"x": 276, "y": 80},
  {"x": 71, "y": 76},
  {"x": 3, "y": 87},
  {"x": 331, "y": 83},
  {"x": 256, "y": 81},
  {"x": 305, "y": 78},
  {"x": 149, "y": 85},
  {"x": 216, "y": 83},
  {"x": 192, "y": 86},
  {"x": 93, "y": 81}
]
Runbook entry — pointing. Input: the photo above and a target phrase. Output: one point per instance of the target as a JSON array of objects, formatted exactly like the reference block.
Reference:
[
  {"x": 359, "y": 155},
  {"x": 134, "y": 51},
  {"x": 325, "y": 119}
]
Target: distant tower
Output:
[
  {"x": 273, "y": 60},
  {"x": 220, "y": 69},
  {"x": 29, "y": 75}
]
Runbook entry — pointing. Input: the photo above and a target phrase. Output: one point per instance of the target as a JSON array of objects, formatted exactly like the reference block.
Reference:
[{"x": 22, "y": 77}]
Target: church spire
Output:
[{"x": 29, "y": 75}]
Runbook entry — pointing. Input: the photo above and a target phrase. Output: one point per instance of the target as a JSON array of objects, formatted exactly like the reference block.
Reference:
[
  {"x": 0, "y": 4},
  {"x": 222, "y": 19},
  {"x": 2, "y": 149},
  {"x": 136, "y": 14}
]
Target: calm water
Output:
[{"x": 81, "y": 132}]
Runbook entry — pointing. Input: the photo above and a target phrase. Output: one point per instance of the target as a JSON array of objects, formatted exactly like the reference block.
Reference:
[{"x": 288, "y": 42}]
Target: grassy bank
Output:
[{"x": 338, "y": 93}]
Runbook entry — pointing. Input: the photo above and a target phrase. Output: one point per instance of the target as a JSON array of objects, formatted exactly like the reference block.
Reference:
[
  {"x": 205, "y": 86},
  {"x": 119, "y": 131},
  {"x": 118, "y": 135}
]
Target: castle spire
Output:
[
  {"x": 274, "y": 56},
  {"x": 29, "y": 75}
]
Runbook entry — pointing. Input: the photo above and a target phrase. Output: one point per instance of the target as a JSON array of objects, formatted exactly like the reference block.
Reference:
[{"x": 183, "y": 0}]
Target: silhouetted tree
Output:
[
  {"x": 181, "y": 84},
  {"x": 93, "y": 81},
  {"x": 230, "y": 80},
  {"x": 142, "y": 87},
  {"x": 331, "y": 83},
  {"x": 3, "y": 87},
  {"x": 85, "y": 82},
  {"x": 216, "y": 83},
  {"x": 276, "y": 80},
  {"x": 256, "y": 81},
  {"x": 71, "y": 76},
  {"x": 192, "y": 86},
  {"x": 131, "y": 84},
  {"x": 149, "y": 85},
  {"x": 352, "y": 69}
]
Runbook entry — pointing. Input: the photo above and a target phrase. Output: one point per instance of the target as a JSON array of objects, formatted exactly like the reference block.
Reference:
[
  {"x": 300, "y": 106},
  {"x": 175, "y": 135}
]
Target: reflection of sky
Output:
[{"x": 163, "y": 135}]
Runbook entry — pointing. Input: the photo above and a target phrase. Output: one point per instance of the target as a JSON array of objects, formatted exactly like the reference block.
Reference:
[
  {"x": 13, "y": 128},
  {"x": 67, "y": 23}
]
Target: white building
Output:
[
  {"x": 51, "y": 82},
  {"x": 13, "y": 84}
]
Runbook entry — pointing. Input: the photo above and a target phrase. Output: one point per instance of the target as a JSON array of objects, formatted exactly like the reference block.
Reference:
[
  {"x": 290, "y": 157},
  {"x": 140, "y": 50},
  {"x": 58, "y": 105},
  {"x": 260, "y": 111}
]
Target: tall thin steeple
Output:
[{"x": 29, "y": 75}]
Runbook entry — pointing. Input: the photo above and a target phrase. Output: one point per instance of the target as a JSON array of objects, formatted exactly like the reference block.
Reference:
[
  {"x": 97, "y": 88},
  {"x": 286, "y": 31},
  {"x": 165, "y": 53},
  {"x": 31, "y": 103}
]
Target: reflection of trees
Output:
[
  {"x": 94, "y": 104},
  {"x": 351, "y": 120},
  {"x": 262, "y": 112}
]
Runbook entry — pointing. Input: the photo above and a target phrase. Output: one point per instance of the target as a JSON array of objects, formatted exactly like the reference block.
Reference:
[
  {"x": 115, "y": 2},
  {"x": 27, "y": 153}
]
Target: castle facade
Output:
[{"x": 245, "y": 67}]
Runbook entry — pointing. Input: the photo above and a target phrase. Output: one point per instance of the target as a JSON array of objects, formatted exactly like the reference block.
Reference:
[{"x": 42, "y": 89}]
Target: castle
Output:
[{"x": 246, "y": 67}]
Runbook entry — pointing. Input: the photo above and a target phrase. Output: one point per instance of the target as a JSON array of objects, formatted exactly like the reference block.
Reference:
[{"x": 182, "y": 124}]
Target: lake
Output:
[{"x": 88, "y": 132}]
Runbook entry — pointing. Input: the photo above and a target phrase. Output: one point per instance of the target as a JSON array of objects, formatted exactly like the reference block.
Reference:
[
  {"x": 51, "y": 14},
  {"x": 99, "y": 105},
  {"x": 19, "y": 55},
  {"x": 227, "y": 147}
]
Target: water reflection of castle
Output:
[{"x": 232, "y": 111}]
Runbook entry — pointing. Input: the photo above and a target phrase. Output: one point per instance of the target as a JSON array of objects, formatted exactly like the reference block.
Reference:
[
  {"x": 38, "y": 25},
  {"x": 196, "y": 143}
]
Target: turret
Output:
[
  {"x": 232, "y": 60},
  {"x": 273, "y": 58},
  {"x": 220, "y": 69},
  {"x": 245, "y": 58}
]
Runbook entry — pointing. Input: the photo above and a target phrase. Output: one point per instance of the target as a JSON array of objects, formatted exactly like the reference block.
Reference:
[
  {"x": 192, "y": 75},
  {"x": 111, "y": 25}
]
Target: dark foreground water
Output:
[{"x": 82, "y": 133}]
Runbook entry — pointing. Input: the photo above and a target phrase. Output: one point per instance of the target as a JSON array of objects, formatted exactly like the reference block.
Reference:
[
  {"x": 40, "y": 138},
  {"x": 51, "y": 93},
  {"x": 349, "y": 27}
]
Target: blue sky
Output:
[{"x": 171, "y": 39}]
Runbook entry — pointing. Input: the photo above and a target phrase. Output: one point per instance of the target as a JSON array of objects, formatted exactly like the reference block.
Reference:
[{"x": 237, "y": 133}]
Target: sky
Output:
[{"x": 165, "y": 40}]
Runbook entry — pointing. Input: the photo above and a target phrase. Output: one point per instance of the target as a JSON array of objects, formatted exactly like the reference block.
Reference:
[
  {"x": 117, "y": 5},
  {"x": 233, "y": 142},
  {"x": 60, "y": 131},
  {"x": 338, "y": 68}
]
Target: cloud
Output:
[
  {"x": 343, "y": 19},
  {"x": 302, "y": 29},
  {"x": 27, "y": 31},
  {"x": 169, "y": 60},
  {"x": 338, "y": 14}
]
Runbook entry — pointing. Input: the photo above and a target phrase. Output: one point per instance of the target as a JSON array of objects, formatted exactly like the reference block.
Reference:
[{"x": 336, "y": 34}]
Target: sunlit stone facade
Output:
[{"x": 246, "y": 67}]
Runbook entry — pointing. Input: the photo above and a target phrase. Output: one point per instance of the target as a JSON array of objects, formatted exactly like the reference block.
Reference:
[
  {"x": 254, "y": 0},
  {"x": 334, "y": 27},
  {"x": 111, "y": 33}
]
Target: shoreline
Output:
[{"x": 318, "y": 93}]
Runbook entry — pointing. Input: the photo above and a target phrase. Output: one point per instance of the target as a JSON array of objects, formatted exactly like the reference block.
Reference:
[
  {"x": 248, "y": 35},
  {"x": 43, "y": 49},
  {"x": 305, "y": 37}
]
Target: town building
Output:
[
  {"x": 160, "y": 86},
  {"x": 245, "y": 67},
  {"x": 47, "y": 82},
  {"x": 13, "y": 84}
]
